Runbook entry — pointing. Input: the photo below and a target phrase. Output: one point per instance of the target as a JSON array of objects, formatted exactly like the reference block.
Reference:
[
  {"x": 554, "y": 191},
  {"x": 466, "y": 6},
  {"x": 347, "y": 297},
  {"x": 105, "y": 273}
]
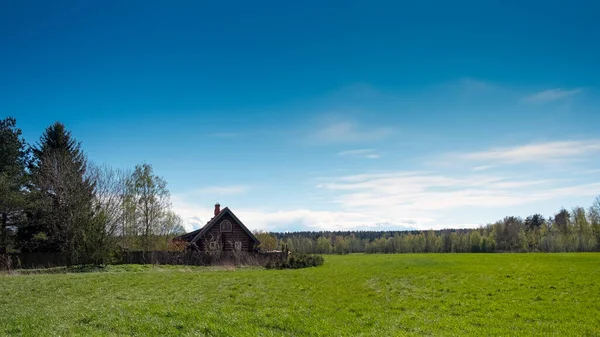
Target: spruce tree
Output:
[{"x": 62, "y": 217}]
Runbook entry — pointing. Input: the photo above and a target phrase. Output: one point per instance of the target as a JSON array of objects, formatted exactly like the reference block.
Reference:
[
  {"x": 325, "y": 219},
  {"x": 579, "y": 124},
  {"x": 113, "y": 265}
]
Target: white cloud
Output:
[
  {"x": 551, "y": 151},
  {"x": 419, "y": 195},
  {"x": 296, "y": 219},
  {"x": 364, "y": 153},
  {"x": 348, "y": 132},
  {"x": 551, "y": 95},
  {"x": 482, "y": 167},
  {"x": 355, "y": 152},
  {"x": 421, "y": 199},
  {"x": 399, "y": 200},
  {"x": 320, "y": 220}
]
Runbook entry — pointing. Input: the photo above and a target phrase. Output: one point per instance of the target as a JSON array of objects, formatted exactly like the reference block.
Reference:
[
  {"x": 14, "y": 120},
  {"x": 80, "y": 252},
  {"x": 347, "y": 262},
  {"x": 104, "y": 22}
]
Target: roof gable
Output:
[
  {"x": 215, "y": 220},
  {"x": 188, "y": 236}
]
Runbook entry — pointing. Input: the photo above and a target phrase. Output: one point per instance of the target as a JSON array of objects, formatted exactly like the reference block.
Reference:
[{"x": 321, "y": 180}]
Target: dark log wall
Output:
[{"x": 227, "y": 239}]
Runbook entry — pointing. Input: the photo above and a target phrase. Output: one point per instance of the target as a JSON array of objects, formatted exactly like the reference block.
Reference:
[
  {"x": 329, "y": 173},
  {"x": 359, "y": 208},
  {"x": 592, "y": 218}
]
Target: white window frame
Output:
[{"x": 238, "y": 246}]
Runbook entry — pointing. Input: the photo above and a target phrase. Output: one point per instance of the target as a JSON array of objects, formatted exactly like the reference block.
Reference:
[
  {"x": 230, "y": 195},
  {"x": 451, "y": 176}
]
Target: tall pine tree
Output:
[{"x": 62, "y": 214}]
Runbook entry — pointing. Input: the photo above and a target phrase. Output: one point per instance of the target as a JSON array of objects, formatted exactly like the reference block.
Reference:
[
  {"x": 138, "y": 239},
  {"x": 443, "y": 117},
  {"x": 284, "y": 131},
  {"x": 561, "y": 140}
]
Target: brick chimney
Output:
[{"x": 217, "y": 209}]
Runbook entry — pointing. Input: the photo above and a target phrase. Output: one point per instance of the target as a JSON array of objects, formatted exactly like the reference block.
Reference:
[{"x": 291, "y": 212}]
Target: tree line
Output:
[
  {"x": 577, "y": 230},
  {"x": 53, "y": 199}
]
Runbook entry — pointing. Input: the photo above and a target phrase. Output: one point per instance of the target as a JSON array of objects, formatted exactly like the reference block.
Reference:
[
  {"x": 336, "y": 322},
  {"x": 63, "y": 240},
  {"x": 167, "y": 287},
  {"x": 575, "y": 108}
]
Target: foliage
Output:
[
  {"x": 267, "y": 241},
  {"x": 296, "y": 261},
  {"x": 54, "y": 200},
  {"x": 13, "y": 155},
  {"x": 151, "y": 201},
  {"x": 323, "y": 245},
  {"x": 137, "y": 208},
  {"x": 350, "y": 295},
  {"x": 12, "y": 147},
  {"x": 61, "y": 199}
]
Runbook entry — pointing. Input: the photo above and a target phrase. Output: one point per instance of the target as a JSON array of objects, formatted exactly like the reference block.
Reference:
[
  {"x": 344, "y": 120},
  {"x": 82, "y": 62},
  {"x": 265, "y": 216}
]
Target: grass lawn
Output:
[{"x": 354, "y": 295}]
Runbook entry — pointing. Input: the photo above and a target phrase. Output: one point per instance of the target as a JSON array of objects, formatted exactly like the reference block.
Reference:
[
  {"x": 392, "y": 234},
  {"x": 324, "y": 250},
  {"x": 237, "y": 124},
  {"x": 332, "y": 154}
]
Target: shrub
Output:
[{"x": 296, "y": 261}]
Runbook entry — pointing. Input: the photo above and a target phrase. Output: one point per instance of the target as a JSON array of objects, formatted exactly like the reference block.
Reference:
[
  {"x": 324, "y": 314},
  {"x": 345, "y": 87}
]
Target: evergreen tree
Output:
[
  {"x": 61, "y": 213},
  {"x": 562, "y": 221},
  {"x": 534, "y": 222},
  {"x": 12, "y": 178}
]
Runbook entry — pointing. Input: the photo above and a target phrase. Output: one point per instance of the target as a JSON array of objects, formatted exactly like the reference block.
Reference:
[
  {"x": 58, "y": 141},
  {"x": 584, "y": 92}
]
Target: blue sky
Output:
[{"x": 322, "y": 115}]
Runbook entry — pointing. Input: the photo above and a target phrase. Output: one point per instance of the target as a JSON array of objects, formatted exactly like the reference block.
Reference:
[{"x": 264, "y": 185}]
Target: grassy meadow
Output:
[{"x": 352, "y": 295}]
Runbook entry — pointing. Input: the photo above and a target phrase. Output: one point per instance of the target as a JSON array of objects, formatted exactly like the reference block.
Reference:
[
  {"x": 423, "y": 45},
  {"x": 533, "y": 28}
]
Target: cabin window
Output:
[
  {"x": 225, "y": 226},
  {"x": 238, "y": 245},
  {"x": 212, "y": 245}
]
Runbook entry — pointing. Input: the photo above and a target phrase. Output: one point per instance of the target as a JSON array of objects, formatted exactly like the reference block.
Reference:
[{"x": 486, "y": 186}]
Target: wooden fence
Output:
[
  {"x": 49, "y": 260},
  {"x": 193, "y": 258}
]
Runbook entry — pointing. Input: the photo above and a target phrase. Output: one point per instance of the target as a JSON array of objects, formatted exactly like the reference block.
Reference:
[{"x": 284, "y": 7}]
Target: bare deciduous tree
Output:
[{"x": 110, "y": 194}]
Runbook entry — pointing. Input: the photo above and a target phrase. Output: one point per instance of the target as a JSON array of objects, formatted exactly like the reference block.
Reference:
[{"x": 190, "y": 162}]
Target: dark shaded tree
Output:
[
  {"x": 534, "y": 222},
  {"x": 61, "y": 214},
  {"x": 562, "y": 220},
  {"x": 13, "y": 155}
]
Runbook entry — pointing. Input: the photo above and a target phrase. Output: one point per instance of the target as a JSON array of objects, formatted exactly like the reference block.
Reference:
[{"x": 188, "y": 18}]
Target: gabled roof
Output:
[
  {"x": 188, "y": 236},
  {"x": 194, "y": 236}
]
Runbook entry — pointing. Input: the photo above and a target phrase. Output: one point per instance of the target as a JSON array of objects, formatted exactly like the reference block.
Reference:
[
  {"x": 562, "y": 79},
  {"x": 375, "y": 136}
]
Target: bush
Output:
[{"x": 296, "y": 261}]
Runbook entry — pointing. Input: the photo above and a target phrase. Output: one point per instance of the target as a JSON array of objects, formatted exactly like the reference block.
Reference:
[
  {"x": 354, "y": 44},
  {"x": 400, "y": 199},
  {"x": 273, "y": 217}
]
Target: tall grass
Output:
[{"x": 351, "y": 295}]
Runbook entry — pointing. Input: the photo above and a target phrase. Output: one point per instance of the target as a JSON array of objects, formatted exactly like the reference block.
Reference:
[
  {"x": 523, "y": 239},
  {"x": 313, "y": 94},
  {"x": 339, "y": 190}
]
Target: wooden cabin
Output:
[{"x": 224, "y": 232}]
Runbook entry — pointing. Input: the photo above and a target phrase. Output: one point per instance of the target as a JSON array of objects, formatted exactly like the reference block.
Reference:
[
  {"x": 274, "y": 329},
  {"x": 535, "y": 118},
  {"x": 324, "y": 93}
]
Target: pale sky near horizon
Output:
[{"x": 334, "y": 115}]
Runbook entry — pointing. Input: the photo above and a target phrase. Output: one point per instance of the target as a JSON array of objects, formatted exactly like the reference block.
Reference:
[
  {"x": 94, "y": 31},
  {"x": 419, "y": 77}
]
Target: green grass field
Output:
[{"x": 355, "y": 295}]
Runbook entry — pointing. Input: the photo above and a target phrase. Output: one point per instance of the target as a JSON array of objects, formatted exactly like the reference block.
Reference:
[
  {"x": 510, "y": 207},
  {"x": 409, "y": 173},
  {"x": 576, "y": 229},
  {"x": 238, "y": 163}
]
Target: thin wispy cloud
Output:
[
  {"x": 421, "y": 194},
  {"x": 433, "y": 194},
  {"x": 551, "y": 95},
  {"x": 419, "y": 199},
  {"x": 350, "y": 132},
  {"x": 482, "y": 167},
  {"x": 363, "y": 153},
  {"x": 401, "y": 200},
  {"x": 541, "y": 152}
]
